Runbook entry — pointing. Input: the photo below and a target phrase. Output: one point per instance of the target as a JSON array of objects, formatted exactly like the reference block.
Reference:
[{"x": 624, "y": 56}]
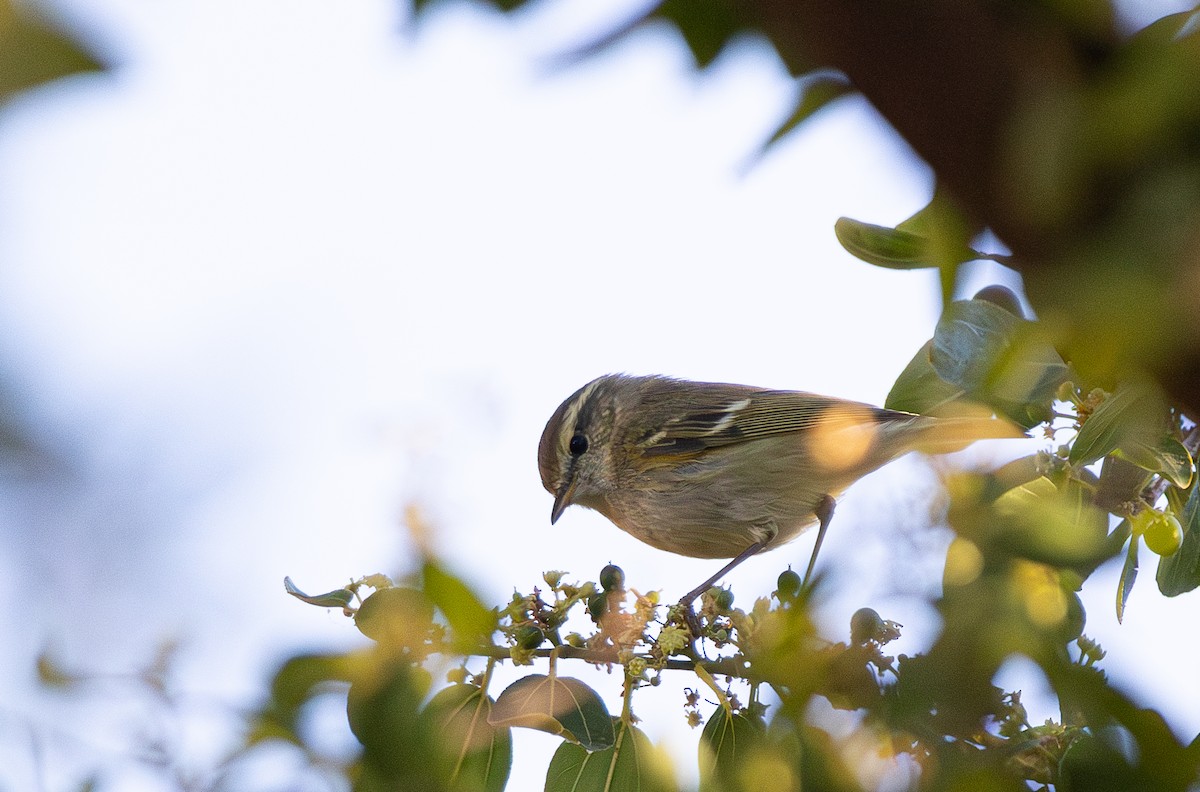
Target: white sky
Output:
[{"x": 288, "y": 268}]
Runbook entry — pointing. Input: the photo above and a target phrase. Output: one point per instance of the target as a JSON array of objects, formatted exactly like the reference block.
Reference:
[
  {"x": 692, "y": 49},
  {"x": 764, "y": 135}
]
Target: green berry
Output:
[
  {"x": 723, "y": 600},
  {"x": 787, "y": 588},
  {"x": 1164, "y": 534},
  {"x": 529, "y": 636},
  {"x": 598, "y": 605},
  {"x": 612, "y": 578}
]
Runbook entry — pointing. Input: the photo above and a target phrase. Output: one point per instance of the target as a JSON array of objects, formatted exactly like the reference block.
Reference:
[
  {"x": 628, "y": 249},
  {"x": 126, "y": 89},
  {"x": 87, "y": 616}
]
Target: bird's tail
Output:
[{"x": 950, "y": 432}]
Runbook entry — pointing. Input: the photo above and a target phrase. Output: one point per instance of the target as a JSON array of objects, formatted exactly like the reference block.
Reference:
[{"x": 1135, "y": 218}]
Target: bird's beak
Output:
[{"x": 563, "y": 499}]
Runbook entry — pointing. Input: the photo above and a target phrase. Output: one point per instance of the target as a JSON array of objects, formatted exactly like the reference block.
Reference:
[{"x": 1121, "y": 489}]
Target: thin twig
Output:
[{"x": 725, "y": 666}]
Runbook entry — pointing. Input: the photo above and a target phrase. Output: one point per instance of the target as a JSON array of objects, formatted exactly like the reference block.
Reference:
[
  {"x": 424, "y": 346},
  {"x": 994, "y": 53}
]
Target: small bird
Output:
[{"x": 713, "y": 470}]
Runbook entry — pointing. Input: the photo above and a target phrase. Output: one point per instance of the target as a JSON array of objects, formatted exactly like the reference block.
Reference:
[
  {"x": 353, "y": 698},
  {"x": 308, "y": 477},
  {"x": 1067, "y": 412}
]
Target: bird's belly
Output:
[{"x": 704, "y": 528}]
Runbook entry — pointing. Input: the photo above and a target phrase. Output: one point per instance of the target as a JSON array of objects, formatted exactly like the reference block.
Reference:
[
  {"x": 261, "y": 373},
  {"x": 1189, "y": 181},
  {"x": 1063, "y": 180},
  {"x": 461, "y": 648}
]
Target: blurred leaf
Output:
[
  {"x": 1002, "y": 297},
  {"x": 1180, "y": 573},
  {"x": 816, "y": 759},
  {"x": 398, "y": 618},
  {"x": 727, "y": 741},
  {"x": 1093, "y": 764},
  {"x": 1132, "y": 415},
  {"x": 471, "y": 622},
  {"x": 1128, "y": 575},
  {"x": 419, "y": 6},
  {"x": 558, "y": 705},
  {"x": 629, "y": 765},
  {"x": 32, "y": 53},
  {"x": 1121, "y": 482},
  {"x": 1167, "y": 457},
  {"x": 999, "y": 359},
  {"x": 707, "y": 26},
  {"x": 383, "y": 710},
  {"x": 816, "y": 93},
  {"x": 474, "y": 754},
  {"x": 293, "y": 685},
  {"x": 51, "y": 672},
  {"x": 883, "y": 246},
  {"x": 338, "y": 598},
  {"x": 1156, "y": 760},
  {"x": 1044, "y": 522},
  {"x": 919, "y": 389}
]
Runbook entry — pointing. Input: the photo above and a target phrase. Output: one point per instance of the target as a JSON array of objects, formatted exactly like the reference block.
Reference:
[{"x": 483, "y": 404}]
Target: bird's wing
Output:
[{"x": 715, "y": 417}]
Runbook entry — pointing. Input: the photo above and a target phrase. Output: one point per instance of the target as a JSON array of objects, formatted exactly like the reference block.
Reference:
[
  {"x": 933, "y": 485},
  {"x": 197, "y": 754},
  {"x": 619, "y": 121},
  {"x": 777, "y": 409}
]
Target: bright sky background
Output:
[{"x": 290, "y": 267}]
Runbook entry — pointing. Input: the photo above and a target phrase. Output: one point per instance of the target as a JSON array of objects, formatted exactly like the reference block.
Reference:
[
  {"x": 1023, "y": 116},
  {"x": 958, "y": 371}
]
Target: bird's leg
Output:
[
  {"x": 824, "y": 512},
  {"x": 685, "y": 603}
]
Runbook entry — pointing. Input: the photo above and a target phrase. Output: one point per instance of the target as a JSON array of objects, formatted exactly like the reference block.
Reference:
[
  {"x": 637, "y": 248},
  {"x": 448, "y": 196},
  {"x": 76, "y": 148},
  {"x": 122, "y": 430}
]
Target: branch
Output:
[{"x": 737, "y": 665}]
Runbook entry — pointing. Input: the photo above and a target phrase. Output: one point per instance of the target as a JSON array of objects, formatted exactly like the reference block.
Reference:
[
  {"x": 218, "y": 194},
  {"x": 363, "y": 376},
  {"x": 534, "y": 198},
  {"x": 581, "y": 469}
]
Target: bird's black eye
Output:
[{"x": 578, "y": 445}]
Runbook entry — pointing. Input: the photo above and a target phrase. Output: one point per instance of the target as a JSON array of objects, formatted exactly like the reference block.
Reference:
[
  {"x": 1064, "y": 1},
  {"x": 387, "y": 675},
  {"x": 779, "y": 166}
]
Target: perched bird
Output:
[{"x": 712, "y": 470}]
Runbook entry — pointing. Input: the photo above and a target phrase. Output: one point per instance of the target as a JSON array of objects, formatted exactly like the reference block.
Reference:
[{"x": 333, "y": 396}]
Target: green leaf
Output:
[
  {"x": 1168, "y": 457},
  {"x": 338, "y": 598},
  {"x": 629, "y": 765},
  {"x": 298, "y": 680},
  {"x": 999, "y": 359},
  {"x": 474, "y": 755},
  {"x": 1044, "y": 522},
  {"x": 382, "y": 708},
  {"x": 726, "y": 743},
  {"x": 970, "y": 336},
  {"x": 1131, "y": 416},
  {"x": 471, "y": 622},
  {"x": 558, "y": 705},
  {"x": 398, "y": 617},
  {"x": 31, "y": 53},
  {"x": 935, "y": 236},
  {"x": 1180, "y": 573},
  {"x": 706, "y": 25},
  {"x": 1128, "y": 575},
  {"x": 816, "y": 93},
  {"x": 883, "y": 246},
  {"x": 919, "y": 389}
]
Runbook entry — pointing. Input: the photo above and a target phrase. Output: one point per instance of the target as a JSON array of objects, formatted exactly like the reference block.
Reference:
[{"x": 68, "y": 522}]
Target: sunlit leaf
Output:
[
  {"x": 1044, "y": 522},
  {"x": 559, "y": 705},
  {"x": 919, "y": 389},
  {"x": 471, "y": 622},
  {"x": 1180, "y": 573},
  {"x": 338, "y": 598},
  {"x": 474, "y": 754},
  {"x": 728, "y": 739},
  {"x": 32, "y": 53},
  {"x": 1128, "y": 575},
  {"x": 1132, "y": 415},
  {"x": 629, "y": 764},
  {"x": 398, "y": 617},
  {"x": 1168, "y": 457},
  {"x": 999, "y": 359},
  {"x": 883, "y": 246},
  {"x": 816, "y": 93}
]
